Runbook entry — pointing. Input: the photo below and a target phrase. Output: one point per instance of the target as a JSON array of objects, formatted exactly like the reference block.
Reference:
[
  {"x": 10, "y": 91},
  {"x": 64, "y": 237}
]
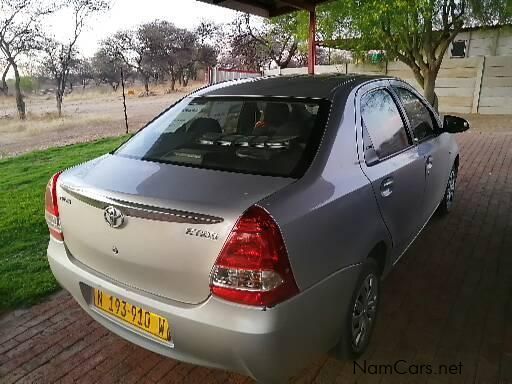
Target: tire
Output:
[
  {"x": 448, "y": 201},
  {"x": 361, "y": 314}
]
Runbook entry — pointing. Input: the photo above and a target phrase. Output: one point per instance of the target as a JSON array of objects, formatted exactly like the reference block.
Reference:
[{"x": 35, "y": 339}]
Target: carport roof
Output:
[{"x": 267, "y": 8}]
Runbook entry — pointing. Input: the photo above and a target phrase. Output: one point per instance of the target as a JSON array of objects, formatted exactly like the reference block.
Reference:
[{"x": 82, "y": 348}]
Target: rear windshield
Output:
[{"x": 266, "y": 136}]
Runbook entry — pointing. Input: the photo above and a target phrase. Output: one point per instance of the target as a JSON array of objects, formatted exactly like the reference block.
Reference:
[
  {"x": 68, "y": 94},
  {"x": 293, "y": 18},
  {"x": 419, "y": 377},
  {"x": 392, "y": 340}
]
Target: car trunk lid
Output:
[{"x": 174, "y": 221}]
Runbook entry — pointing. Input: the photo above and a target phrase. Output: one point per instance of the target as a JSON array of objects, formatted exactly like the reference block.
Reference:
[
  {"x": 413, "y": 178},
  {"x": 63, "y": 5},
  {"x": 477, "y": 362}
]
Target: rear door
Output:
[
  {"x": 431, "y": 146},
  {"x": 392, "y": 164}
]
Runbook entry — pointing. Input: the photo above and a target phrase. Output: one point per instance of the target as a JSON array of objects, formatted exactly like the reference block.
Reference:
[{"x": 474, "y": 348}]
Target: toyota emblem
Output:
[{"x": 113, "y": 216}]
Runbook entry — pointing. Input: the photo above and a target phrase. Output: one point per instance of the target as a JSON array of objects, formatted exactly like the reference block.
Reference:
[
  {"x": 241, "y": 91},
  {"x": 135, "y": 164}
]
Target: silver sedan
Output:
[{"x": 248, "y": 226}]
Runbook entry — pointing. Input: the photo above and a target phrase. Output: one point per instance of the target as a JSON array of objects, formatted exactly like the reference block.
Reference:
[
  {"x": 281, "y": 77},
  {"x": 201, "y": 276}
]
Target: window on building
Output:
[{"x": 459, "y": 48}]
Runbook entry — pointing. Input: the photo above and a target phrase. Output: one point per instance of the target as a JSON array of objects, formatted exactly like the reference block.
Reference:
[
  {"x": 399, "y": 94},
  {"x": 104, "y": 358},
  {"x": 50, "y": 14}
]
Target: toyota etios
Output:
[{"x": 248, "y": 226}]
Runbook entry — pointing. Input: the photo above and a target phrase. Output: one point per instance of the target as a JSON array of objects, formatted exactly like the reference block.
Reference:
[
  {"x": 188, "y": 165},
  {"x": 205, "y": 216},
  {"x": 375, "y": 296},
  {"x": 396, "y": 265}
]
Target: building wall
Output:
[
  {"x": 480, "y": 84},
  {"x": 486, "y": 42},
  {"x": 496, "y": 89}
]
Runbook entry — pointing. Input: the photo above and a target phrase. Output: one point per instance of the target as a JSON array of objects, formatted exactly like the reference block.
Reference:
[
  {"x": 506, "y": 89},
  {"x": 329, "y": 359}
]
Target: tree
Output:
[
  {"x": 19, "y": 30},
  {"x": 206, "y": 56},
  {"x": 81, "y": 72},
  {"x": 159, "y": 50},
  {"x": 281, "y": 37},
  {"x": 185, "y": 54},
  {"x": 209, "y": 40},
  {"x": 244, "y": 53},
  {"x": 418, "y": 33},
  {"x": 106, "y": 68},
  {"x": 277, "y": 38},
  {"x": 132, "y": 50},
  {"x": 58, "y": 61},
  {"x": 175, "y": 51},
  {"x": 60, "y": 57},
  {"x": 160, "y": 39},
  {"x": 209, "y": 33}
]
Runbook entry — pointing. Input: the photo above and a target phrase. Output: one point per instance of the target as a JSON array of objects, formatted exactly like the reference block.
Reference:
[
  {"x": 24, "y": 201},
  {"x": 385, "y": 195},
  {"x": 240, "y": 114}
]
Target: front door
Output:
[
  {"x": 432, "y": 147},
  {"x": 393, "y": 166}
]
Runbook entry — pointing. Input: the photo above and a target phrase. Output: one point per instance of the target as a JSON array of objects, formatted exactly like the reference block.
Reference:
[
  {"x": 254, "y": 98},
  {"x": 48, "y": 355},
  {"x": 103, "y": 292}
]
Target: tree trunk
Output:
[
  {"x": 58, "y": 97},
  {"x": 5, "y": 88},
  {"x": 291, "y": 53},
  {"x": 124, "y": 101},
  {"x": 146, "y": 84},
  {"x": 20, "y": 104},
  {"x": 429, "y": 85},
  {"x": 173, "y": 81}
]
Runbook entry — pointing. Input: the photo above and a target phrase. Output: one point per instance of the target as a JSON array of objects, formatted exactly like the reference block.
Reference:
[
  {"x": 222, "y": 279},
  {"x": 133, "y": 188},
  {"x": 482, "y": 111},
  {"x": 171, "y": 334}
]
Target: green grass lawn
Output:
[{"x": 25, "y": 275}]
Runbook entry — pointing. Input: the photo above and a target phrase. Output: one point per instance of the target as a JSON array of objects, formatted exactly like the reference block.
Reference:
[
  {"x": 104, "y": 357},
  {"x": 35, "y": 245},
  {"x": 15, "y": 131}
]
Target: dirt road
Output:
[{"x": 86, "y": 118}]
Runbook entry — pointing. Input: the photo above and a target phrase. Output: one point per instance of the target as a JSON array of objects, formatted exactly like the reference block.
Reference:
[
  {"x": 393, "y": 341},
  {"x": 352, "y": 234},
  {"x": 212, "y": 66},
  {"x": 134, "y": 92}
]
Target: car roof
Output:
[{"x": 323, "y": 86}]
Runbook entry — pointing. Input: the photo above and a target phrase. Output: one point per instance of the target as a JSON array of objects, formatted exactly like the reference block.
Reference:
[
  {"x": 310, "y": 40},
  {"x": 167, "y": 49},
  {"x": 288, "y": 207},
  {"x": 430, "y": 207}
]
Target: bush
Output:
[{"x": 28, "y": 84}]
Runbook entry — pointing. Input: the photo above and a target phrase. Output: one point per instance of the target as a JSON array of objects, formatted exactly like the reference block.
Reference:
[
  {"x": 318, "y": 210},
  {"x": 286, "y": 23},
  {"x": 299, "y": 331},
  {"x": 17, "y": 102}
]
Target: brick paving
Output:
[{"x": 448, "y": 301}]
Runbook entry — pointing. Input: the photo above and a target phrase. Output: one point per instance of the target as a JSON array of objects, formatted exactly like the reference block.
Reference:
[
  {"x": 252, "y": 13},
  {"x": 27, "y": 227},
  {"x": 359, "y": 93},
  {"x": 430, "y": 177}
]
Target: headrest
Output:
[
  {"x": 203, "y": 125},
  {"x": 276, "y": 113}
]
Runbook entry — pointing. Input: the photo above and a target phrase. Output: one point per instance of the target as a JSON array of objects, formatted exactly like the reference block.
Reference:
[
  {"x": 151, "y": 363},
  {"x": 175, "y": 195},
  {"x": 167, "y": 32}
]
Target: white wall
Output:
[
  {"x": 486, "y": 42},
  {"x": 471, "y": 85}
]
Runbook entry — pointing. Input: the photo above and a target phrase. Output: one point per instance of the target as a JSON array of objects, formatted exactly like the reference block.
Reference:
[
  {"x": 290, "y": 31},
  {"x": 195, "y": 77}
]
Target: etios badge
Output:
[{"x": 113, "y": 216}]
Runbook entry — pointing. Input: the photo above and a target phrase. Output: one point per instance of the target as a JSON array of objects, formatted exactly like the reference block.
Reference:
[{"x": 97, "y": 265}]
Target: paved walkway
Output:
[{"x": 449, "y": 301}]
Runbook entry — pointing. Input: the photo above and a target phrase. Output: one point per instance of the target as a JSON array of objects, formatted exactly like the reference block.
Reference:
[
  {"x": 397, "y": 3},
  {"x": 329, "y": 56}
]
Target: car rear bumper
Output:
[{"x": 268, "y": 345}]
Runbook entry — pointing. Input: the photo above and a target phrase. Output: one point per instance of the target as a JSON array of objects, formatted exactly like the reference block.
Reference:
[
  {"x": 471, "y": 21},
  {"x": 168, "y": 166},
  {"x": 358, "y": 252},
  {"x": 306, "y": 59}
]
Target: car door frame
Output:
[
  {"x": 423, "y": 143},
  {"x": 399, "y": 248},
  {"x": 402, "y": 84}
]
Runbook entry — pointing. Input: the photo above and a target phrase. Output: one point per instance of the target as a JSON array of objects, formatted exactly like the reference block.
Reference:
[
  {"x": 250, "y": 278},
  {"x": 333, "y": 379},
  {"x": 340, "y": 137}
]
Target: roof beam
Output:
[
  {"x": 300, "y": 4},
  {"x": 246, "y": 6},
  {"x": 281, "y": 11},
  {"x": 267, "y": 8}
]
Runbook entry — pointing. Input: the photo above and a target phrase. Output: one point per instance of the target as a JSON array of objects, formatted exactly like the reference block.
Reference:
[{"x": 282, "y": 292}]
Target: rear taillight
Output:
[
  {"x": 51, "y": 209},
  {"x": 253, "y": 267}
]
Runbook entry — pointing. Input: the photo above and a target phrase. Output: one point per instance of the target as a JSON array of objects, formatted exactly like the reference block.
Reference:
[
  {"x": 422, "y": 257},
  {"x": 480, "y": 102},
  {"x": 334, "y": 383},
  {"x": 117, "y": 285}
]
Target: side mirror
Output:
[{"x": 454, "y": 124}]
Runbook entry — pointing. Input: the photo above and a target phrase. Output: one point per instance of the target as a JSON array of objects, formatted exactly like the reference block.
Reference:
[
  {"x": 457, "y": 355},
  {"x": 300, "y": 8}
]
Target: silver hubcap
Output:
[
  {"x": 450, "y": 189},
  {"x": 364, "y": 311}
]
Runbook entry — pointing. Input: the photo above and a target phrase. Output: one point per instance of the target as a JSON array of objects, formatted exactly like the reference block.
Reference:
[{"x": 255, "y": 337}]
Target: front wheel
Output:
[
  {"x": 362, "y": 313},
  {"x": 449, "y": 194}
]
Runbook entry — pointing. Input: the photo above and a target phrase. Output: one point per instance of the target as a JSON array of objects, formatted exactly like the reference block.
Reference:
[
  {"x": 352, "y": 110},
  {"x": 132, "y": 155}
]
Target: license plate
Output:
[{"x": 132, "y": 314}]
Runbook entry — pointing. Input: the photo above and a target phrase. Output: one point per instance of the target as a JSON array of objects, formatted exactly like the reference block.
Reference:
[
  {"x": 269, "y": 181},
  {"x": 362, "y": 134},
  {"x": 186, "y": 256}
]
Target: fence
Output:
[
  {"x": 217, "y": 75},
  {"x": 472, "y": 85},
  {"x": 496, "y": 89}
]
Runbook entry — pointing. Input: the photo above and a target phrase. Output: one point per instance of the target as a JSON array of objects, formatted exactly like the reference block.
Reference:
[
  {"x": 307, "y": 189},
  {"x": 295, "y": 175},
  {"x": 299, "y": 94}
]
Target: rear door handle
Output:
[{"x": 386, "y": 187}]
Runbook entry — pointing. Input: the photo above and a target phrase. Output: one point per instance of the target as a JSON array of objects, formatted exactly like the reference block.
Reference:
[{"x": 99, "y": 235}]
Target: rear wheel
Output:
[
  {"x": 362, "y": 313},
  {"x": 449, "y": 194}
]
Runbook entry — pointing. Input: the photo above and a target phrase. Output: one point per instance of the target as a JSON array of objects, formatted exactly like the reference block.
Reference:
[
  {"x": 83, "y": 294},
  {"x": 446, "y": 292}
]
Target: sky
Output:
[{"x": 125, "y": 14}]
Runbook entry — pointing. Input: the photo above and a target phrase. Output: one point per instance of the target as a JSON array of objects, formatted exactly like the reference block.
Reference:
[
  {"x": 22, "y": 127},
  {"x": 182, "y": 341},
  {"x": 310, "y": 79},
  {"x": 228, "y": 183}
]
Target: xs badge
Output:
[
  {"x": 65, "y": 200},
  {"x": 202, "y": 233}
]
